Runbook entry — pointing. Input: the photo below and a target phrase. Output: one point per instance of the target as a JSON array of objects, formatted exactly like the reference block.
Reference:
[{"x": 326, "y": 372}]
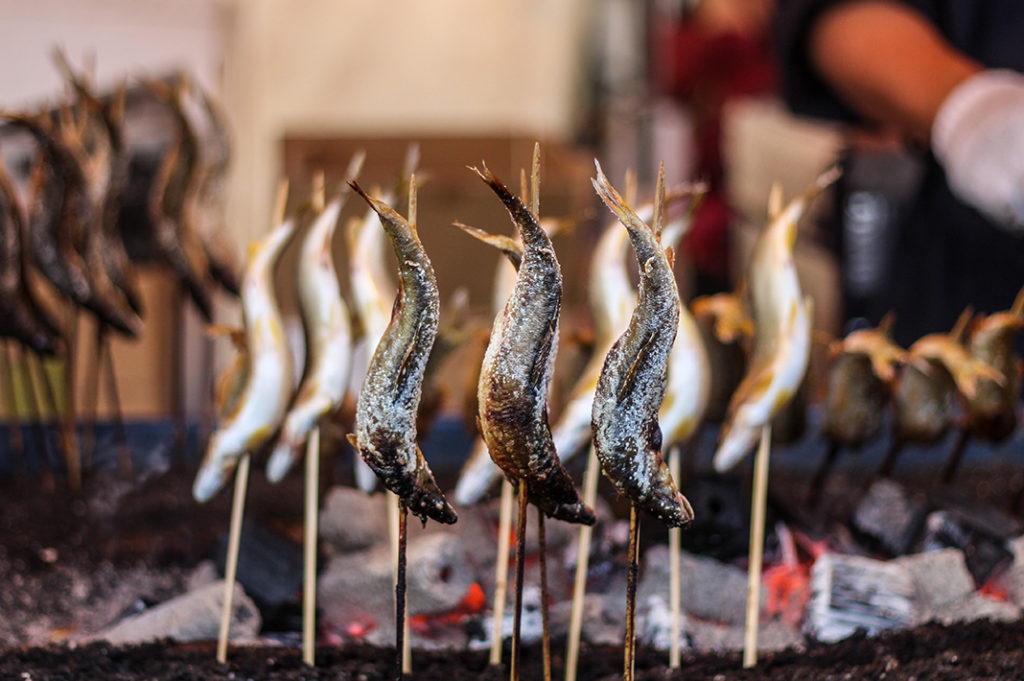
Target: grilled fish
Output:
[
  {"x": 782, "y": 340},
  {"x": 385, "y": 427},
  {"x": 630, "y": 390},
  {"x": 328, "y": 343},
  {"x": 861, "y": 376},
  {"x": 20, "y": 317},
  {"x": 992, "y": 411},
  {"x": 516, "y": 371},
  {"x": 264, "y": 401},
  {"x": 173, "y": 201},
  {"x": 372, "y": 294}
]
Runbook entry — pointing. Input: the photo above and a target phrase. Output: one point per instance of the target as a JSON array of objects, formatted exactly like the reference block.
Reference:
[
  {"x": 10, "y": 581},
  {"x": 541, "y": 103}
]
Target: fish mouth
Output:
[{"x": 578, "y": 512}]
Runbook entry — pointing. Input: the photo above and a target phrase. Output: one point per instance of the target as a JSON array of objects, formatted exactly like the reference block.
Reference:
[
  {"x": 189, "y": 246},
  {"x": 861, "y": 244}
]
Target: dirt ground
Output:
[{"x": 980, "y": 651}]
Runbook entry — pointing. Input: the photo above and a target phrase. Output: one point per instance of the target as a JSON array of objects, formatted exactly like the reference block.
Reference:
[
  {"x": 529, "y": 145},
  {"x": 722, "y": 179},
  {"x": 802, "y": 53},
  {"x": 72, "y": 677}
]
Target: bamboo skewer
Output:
[
  {"x": 309, "y": 545},
  {"x": 629, "y": 661},
  {"x": 35, "y": 409},
  {"x": 401, "y": 637},
  {"x": 501, "y": 570},
  {"x": 124, "y": 455},
  {"x": 757, "y": 520},
  {"x": 517, "y": 612},
  {"x": 674, "y": 541},
  {"x": 72, "y": 458},
  {"x": 238, "y": 501},
  {"x": 542, "y": 547},
  {"x": 572, "y": 651},
  {"x": 231, "y": 567}
]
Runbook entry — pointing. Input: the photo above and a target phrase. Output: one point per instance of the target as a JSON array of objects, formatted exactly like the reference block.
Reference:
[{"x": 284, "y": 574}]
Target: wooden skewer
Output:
[
  {"x": 674, "y": 546},
  {"x": 124, "y": 454},
  {"x": 629, "y": 662},
  {"x": 542, "y": 547},
  {"x": 400, "y": 604},
  {"x": 501, "y": 570},
  {"x": 28, "y": 361},
  {"x": 517, "y": 613},
  {"x": 238, "y": 501},
  {"x": 72, "y": 459},
  {"x": 91, "y": 402},
  {"x": 309, "y": 544},
  {"x": 757, "y": 519},
  {"x": 572, "y": 650},
  {"x": 231, "y": 567}
]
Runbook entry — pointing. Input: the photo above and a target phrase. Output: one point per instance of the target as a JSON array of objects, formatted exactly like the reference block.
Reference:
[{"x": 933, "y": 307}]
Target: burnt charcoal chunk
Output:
[
  {"x": 889, "y": 517},
  {"x": 985, "y": 554},
  {"x": 270, "y": 571}
]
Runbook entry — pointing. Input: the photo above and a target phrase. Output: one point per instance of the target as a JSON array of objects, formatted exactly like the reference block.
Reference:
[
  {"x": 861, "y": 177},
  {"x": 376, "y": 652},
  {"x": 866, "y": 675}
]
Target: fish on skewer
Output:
[
  {"x": 328, "y": 344},
  {"x": 172, "y": 201},
  {"x": 782, "y": 341},
  {"x": 861, "y": 377},
  {"x": 110, "y": 114},
  {"x": 212, "y": 229},
  {"x": 385, "y": 423},
  {"x": 20, "y": 316},
  {"x": 59, "y": 210},
  {"x": 939, "y": 373},
  {"x": 93, "y": 157},
  {"x": 992, "y": 410},
  {"x": 373, "y": 295},
  {"x": 612, "y": 298},
  {"x": 264, "y": 400},
  {"x": 627, "y": 437},
  {"x": 516, "y": 372}
]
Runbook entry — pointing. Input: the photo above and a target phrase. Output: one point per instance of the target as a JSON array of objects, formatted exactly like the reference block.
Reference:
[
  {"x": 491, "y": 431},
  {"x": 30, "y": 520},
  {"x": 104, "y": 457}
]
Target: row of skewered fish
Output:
[
  {"x": 66, "y": 224},
  {"x": 658, "y": 369}
]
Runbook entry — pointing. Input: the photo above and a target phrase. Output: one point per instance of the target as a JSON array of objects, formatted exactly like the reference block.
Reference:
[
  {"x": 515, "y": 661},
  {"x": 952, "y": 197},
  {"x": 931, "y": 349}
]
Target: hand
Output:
[{"x": 978, "y": 137}]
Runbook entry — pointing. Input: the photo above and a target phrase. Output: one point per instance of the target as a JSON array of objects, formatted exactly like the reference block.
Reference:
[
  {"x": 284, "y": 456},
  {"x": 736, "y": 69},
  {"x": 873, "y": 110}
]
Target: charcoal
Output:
[
  {"x": 976, "y": 606},
  {"x": 985, "y": 554},
  {"x": 890, "y": 517},
  {"x": 1014, "y": 577},
  {"x": 853, "y": 593},
  {"x": 720, "y": 523},
  {"x": 982, "y": 517},
  {"x": 771, "y": 635},
  {"x": 270, "y": 571}
]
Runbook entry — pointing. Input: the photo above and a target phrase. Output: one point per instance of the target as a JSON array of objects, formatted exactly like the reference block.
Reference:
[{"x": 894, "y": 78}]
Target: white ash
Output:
[
  {"x": 853, "y": 593},
  {"x": 194, "y": 616}
]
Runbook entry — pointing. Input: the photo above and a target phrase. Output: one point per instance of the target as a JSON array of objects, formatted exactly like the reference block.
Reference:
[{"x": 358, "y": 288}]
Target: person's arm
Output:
[
  {"x": 892, "y": 66},
  {"x": 888, "y": 63}
]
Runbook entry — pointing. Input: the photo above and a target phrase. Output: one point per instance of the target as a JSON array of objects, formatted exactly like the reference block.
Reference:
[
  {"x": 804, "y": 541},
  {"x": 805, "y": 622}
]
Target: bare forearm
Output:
[{"x": 888, "y": 63}]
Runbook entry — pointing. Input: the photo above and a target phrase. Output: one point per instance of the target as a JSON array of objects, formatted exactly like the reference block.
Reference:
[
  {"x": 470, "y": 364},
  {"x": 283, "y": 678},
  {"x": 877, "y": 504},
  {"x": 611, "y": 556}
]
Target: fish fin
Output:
[
  {"x": 543, "y": 353},
  {"x": 885, "y": 326},
  {"x": 352, "y": 440},
  {"x": 670, "y": 254},
  {"x": 511, "y": 248},
  {"x": 962, "y": 322},
  {"x": 627, "y": 383},
  {"x": 1017, "y": 308}
]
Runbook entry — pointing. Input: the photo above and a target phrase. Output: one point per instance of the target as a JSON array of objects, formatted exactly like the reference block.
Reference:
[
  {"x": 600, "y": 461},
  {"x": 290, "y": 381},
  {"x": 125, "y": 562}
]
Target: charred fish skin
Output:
[
  {"x": 627, "y": 437},
  {"x": 388, "y": 402},
  {"x": 21, "y": 318},
  {"x": 54, "y": 182},
  {"x": 264, "y": 399},
  {"x": 516, "y": 371}
]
